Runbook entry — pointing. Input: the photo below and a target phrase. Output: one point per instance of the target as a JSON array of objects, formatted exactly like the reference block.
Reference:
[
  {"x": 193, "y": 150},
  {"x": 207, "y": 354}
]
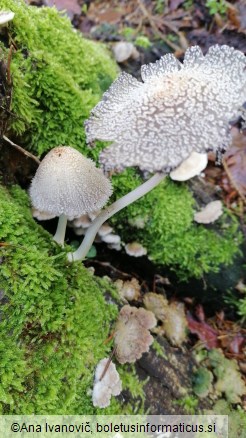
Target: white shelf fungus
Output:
[
  {"x": 179, "y": 109},
  {"x": 210, "y": 213},
  {"x": 132, "y": 337},
  {"x": 67, "y": 184},
  {"x": 107, "y": 386}
]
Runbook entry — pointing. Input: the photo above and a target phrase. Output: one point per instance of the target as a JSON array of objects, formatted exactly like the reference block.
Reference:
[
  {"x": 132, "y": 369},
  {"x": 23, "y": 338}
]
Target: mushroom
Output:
[
  {"x": 124, "y": 50},
  {"x": 190, "y": 167},
  {"x": 135, "y": 249},
  {"x": 5, "y": 17},
  {"x": 68, "y": 185},
  {"x": 105, "y": 385},
  {"x": 210, "y": 213},
  {"x": 159, "y": 123}
]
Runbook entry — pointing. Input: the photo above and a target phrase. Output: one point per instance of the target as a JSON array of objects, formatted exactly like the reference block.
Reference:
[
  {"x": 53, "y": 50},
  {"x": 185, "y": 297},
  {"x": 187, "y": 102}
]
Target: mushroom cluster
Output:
[{"x": 167, "y": 123}]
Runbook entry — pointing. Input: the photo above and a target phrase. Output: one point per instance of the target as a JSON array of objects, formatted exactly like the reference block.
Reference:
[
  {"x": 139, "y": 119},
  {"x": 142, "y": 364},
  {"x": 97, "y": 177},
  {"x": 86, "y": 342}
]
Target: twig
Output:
[
  {"x": 23, "y": 151},
  {"x": 8, "y": 64},
  {"x": 152, "y": 23},
  {"x": 107, "y": 364}
]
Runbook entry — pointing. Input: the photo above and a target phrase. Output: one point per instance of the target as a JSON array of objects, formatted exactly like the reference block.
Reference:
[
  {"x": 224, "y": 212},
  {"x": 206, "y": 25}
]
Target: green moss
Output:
[
  {"x": 237, "y": 417},
  {"x": 159, "y": 349},
  {"x": 54, "y": 320},
  {"x": 57, "y": 77},
  {"x": 170, "y": 234}
]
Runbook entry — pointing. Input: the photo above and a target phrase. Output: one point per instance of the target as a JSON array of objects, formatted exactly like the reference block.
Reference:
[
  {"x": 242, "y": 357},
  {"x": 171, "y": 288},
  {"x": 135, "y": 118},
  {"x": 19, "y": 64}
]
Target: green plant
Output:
[
  {"x": 143, "y": 41},
  {"x": 54, "y": 320},
  {"x": 189, "y": 403},
  {"x": 216, "y": 7}
]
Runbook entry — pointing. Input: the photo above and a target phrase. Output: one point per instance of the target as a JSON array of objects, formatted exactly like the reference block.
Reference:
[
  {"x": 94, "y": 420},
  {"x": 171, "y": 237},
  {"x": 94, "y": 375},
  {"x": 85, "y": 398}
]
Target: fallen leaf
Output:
[{"x": 207, "y": 334}]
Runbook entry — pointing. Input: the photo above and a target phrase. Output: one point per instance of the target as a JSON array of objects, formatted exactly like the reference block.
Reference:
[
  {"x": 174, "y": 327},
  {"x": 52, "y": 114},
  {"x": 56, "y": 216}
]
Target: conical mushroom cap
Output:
[
  {"x": 68, "y": 183},
  {"x": 179, "y": 108}
]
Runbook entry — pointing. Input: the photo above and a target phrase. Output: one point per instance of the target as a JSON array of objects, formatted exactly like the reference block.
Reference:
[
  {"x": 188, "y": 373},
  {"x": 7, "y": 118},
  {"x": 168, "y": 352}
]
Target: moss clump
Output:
[
  {"x": 237, "y": 418},
  {"x": 54, "y": 320},
  {"x": 57, "y": 77},
  {"x": 170, "y": 234}
]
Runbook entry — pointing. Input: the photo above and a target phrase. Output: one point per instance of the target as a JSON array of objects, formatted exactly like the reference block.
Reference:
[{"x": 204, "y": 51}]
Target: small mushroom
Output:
[
  {"x": 177, "y": 109},
  {"x": 210, "y": 213},
  {"x": 105, "y": 385},
  {"x": 135, "y": 249},
  {"x": 124, "y": 50},
  {"x": 82, "y": 221},
  {"x": 190, "y": 167},
  {"x": 67, "y": 184},
  {"x": 104, "y": 230},
  {"x": 111, "y": 238},
  {"x": 5, "y": 17},
  {"x": 132, "y": 337}
]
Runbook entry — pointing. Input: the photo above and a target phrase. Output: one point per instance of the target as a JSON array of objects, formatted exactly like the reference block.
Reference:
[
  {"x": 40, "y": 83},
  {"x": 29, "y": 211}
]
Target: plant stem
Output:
[
  {"x": 105, "y": 214},
  {"x": 61, "y": 230}
]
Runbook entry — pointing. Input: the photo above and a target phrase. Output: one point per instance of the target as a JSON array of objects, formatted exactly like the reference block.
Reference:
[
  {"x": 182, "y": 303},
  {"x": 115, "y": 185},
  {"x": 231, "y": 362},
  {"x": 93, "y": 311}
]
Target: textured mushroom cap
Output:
[
  {"x": 177, "y": 109},
  {"x": 192, "y": 166},
  {"x": 68, "y": 183},
  {"x": 210, "y": 213}
]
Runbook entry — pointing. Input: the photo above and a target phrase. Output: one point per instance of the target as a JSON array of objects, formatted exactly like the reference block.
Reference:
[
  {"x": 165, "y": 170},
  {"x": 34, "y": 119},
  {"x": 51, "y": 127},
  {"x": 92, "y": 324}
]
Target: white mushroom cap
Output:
[
  {"x": 68, "y": 183},
  {"x": 190, "y": 167},
  {"x": 82, "y": 221},
  {"x": 177, "y": 109},
  {"x": 210, "y": 213},
  {"x": 6, "y": 16},
  {"x": 135, "y": 249},
  {"x": 111, "y": 238},
  {"x": 104, "y": 230},
  {"x": 109, "y": 385},
  {"x": 123, "y": 51}
]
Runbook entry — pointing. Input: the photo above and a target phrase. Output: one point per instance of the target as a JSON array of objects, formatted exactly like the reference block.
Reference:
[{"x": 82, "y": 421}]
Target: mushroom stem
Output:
[
  {"x": 105, "y": 214},
  {"x": 61, "y": 230}
]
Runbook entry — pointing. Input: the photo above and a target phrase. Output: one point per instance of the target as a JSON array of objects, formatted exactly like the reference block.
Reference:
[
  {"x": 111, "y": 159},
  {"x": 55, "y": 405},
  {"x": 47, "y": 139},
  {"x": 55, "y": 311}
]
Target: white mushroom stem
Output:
[
  {"x": 105, "y": 214},
  {"x": 61, "y": 230}
]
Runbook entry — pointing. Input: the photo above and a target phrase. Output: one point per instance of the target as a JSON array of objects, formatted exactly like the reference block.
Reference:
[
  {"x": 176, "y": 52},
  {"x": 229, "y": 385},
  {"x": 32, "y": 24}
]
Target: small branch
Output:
[
  {"x": 23, "y": 151},
  {"x": 155, "y": 28},
  {"x": 9, "y": 63},
  {"x": 107, "y": 364}
]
